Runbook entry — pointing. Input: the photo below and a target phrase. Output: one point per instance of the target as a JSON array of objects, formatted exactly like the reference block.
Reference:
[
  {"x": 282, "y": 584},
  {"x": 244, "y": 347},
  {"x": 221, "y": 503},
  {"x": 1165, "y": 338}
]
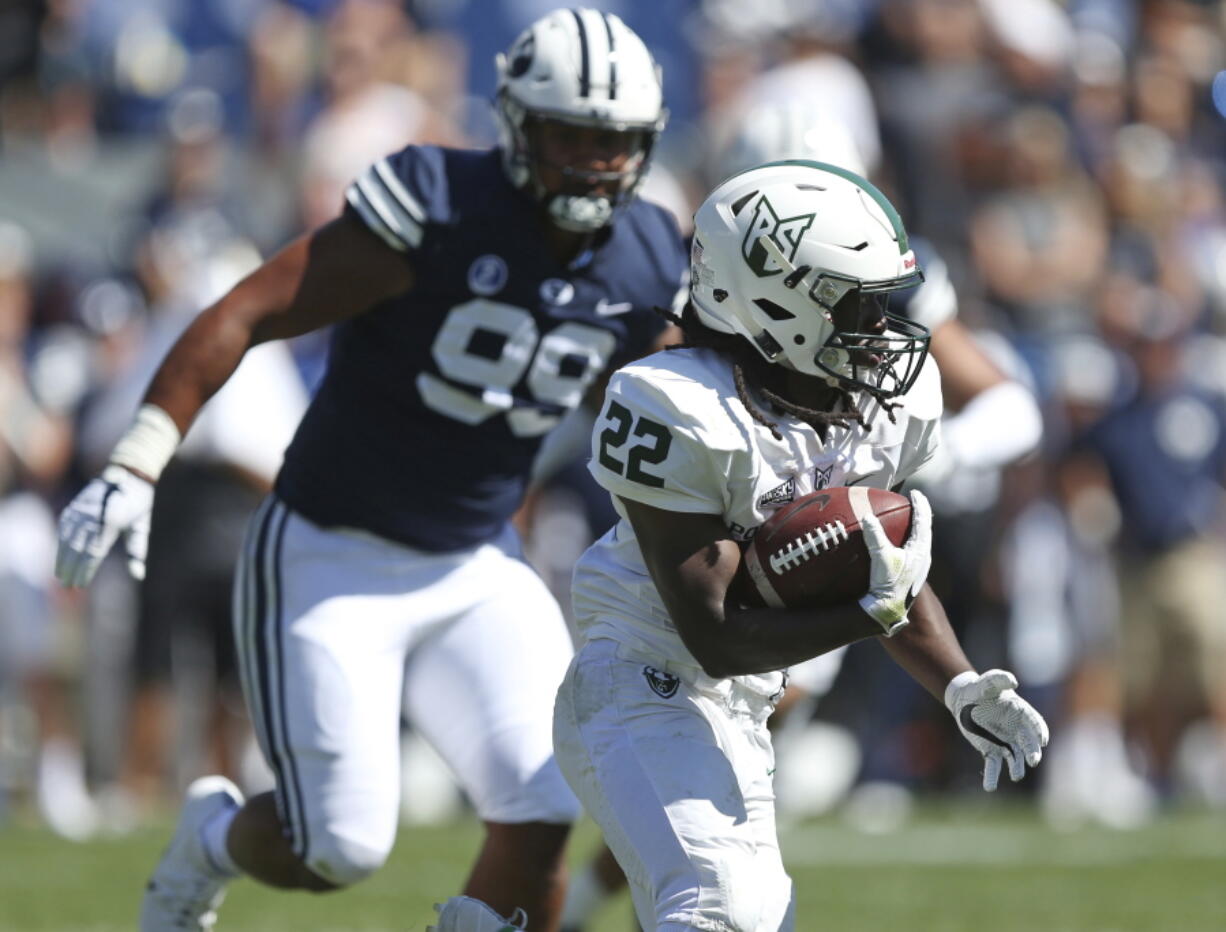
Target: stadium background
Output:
[{"x": 1065, "y": 159}]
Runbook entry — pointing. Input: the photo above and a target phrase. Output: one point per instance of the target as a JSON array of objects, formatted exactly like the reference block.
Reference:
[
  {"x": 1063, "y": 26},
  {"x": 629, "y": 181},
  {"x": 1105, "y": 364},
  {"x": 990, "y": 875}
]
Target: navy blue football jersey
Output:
[{"x": 435, "y": 402}]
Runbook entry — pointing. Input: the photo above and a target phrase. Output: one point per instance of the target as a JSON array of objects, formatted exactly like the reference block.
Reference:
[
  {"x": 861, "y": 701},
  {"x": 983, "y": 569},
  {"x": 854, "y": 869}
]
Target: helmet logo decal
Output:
[{"x": 785, "y": 233}]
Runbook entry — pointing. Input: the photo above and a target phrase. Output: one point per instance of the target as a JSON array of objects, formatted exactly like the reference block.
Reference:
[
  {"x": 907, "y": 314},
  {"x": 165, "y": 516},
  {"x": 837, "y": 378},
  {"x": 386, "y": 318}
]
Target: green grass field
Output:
[{"x": 990, "y": 868}]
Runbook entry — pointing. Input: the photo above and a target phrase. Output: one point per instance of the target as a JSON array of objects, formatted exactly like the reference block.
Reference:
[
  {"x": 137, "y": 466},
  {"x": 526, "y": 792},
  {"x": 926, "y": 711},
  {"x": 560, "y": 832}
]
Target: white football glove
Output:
[
  {"x": 117, "y": 502},
  {"x": 897, "y": 574},
  {"x": 998, "y": 723}
]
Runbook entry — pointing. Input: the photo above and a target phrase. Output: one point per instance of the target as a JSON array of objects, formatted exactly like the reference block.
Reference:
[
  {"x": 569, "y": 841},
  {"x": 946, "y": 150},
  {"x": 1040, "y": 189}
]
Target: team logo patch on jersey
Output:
[
  {"x": 821, "y": 477},
  {"x": 662, "y": 684},
  {"x": 487, "y": 275},
  {"x": 557, "y": 291},
  {"x": 780, "y": 495},
  {"x": 785, "y": 233}
]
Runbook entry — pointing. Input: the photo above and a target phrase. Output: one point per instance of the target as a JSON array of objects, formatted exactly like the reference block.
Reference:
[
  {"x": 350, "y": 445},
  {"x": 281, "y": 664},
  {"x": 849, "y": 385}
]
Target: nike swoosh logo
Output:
[
  {"x": 111, "y": 489},
  {"x": 606, "y": 308},
  {"x": 855, "y": 480},
  {"x": 972, "y": 726}
]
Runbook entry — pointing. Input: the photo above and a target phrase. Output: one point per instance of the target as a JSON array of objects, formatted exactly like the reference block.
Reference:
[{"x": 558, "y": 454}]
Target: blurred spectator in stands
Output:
[
  {"x": 1060, "y": 582},
  {"x": 1162, "y": 454},
  {"x": 1098, "y": 99},
  {"x": 1032, "y": 42},
  {"x": 52, "y": 92},
  {"x": 365, "y": 114},
  {"x": 1039, "y": 241},
  {"x": 811, "y": 46},
  {"x": 186, "y": 706},
  {"x": 283, "y": 61},
  {"x": 34, "y": 449},
  {"x": 934, "y": 80}
]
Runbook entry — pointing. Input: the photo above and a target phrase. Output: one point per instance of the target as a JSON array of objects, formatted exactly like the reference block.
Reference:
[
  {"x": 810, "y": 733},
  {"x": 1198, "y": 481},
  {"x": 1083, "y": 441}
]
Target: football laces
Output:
[{"x": 797, "y": 551}]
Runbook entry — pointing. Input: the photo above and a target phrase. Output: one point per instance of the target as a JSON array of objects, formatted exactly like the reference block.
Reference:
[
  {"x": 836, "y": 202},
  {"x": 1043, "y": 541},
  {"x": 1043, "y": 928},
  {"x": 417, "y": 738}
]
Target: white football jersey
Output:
[{"x": 674, "y": 435}]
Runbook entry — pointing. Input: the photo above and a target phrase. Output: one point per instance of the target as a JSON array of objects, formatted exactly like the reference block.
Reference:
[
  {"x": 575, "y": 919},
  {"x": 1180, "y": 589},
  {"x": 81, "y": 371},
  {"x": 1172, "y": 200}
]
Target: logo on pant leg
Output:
[{"x": 662, "y": 684}]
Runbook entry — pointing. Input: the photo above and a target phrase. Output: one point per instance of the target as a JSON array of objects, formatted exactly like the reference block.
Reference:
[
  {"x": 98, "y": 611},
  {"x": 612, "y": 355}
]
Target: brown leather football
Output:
[{"x": 811, "y": 553}]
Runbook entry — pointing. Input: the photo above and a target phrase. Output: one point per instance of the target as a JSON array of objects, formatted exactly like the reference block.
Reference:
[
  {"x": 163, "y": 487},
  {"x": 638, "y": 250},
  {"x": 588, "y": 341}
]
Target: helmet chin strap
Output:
[{"x": 580, "y": 213}]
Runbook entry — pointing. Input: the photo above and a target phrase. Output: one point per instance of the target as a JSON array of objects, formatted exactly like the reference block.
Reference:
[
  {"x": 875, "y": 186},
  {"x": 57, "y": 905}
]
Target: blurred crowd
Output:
[{"x": 1064, "y": 159}]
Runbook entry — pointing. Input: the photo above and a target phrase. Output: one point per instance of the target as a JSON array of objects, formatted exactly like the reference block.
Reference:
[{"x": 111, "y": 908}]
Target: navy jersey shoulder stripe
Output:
[{"x": 392, "y": 195}]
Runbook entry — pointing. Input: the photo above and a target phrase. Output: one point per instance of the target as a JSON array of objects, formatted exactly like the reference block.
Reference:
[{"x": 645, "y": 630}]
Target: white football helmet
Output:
[
  {"x": 783, "y": 251},
  {"x": 585, "y": 68}
]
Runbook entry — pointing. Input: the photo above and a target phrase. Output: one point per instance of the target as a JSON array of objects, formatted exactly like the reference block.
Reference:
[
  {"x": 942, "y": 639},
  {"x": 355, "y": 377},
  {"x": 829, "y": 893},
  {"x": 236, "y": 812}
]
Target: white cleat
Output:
[
  {"x": 186, "y": 888},
  {"x": 464, "y": 914}
]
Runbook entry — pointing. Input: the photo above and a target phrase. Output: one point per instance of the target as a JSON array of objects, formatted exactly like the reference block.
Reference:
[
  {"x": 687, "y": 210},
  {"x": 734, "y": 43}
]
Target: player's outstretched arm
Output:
[
  {"x": 336, "y": 272},
  {"x": 999, "y": 724}
]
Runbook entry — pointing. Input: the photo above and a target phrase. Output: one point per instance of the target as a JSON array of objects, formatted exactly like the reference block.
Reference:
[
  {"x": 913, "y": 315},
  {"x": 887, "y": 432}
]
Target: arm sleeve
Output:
[
  {"x": 396, "y": 197},
  {"x": 646, "y": 450},
  {"x": 995, "y": 428}
]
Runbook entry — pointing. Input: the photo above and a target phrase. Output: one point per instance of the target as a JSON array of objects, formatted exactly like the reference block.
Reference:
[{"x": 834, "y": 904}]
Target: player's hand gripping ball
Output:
[{"x": 811, "y": 552}]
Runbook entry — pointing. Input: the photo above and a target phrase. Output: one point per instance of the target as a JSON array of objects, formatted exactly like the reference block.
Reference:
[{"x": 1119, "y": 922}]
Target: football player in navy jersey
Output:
[{"x": 477, "y": 296}]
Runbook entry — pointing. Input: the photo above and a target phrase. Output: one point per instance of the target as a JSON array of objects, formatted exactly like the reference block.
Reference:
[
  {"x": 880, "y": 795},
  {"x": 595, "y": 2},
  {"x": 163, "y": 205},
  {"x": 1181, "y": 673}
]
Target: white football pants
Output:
[
  {"x": 335, "y": 627},
  {"x": 676, "y": 769}
]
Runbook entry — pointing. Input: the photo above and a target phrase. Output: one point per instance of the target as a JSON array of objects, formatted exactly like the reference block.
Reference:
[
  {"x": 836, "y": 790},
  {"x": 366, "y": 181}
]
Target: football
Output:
[{"x": 811, "y": 552}]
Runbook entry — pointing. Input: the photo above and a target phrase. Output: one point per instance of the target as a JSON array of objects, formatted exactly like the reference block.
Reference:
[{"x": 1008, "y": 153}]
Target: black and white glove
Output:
[
  {"x": 116, "y": 502},
  {"x": 896, "y": 574},
  {"x": 999, "y": 724}
]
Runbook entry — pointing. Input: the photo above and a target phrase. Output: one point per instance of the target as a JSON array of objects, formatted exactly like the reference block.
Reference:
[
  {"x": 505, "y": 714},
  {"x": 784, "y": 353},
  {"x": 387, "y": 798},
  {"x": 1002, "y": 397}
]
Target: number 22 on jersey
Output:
[{"x": 650, "y": 447}]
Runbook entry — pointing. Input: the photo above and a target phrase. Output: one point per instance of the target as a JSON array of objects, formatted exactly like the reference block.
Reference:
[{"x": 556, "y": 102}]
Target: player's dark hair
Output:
[{"x": 748, "y": 364}]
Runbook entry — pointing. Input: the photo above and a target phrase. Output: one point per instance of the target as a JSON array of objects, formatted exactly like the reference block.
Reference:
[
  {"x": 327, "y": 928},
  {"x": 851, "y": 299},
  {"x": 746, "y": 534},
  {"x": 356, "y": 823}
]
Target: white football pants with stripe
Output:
[{"x": 333, "y": 627}]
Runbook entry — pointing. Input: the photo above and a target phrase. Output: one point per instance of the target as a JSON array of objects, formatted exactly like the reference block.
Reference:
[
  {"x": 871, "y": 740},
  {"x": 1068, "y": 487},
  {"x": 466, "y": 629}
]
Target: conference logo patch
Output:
[{"x": 662, "y": 684}]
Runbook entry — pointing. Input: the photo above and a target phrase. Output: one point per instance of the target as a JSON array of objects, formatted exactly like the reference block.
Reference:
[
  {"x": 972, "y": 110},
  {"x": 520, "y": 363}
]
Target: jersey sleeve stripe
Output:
[
  {"x": 397, "y": 219},
  {"x": 372, "y": 219},
  {"x": 400, "y": 192}
]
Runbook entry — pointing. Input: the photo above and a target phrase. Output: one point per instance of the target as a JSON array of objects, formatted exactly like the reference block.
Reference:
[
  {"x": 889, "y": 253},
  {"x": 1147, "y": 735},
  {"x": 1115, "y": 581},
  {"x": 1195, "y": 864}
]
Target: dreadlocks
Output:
[{"x": 748, "y": 365}]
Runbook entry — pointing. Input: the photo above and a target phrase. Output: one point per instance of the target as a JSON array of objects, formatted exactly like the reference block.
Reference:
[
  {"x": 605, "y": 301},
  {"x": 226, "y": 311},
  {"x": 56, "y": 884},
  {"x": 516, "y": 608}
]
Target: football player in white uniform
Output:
[
  {"x": 476, "y": 296},
  {"x": 991, "y": 420},
  {"x": 794, "y": 373}
]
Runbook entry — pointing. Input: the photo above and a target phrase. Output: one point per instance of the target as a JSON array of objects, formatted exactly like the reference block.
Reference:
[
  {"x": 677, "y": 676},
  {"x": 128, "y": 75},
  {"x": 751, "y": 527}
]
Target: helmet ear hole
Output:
[{"x": 776, "y": 312}]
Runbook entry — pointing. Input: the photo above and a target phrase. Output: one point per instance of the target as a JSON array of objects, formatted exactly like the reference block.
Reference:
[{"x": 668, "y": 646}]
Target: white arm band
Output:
[
  {"x": 995, "y": 428},
  {"x": 149, "y": 443}
]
